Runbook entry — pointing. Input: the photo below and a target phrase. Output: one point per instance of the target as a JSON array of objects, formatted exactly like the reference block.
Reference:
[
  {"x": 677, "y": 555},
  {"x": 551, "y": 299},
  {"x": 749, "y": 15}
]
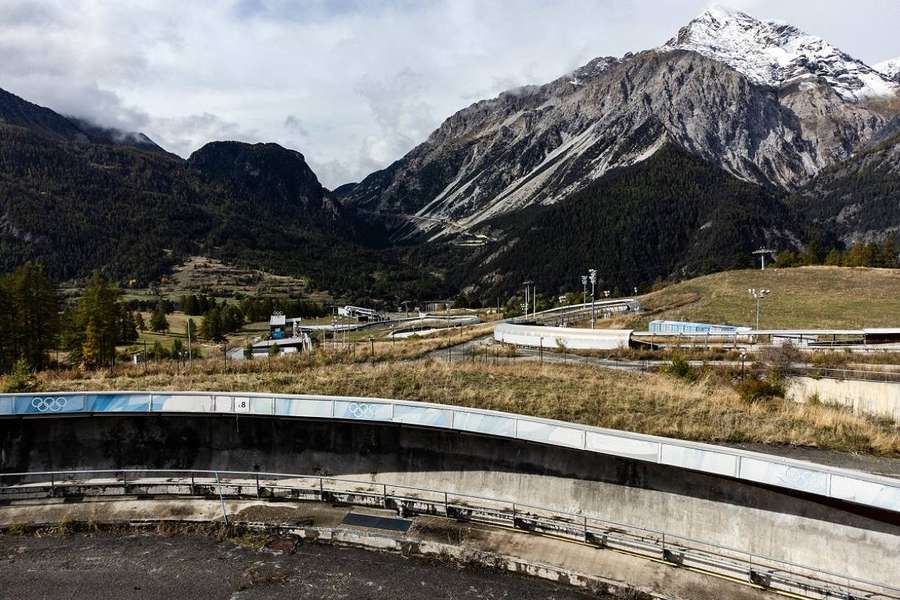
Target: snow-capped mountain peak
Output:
[
  {"x": 775, "y": 54},
  {"x": 890, "y": 68}
]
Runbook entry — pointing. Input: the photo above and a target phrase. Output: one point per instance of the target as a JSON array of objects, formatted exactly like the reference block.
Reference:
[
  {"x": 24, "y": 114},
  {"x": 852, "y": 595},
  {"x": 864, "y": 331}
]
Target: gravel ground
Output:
[{"x": 104, "y": 566}]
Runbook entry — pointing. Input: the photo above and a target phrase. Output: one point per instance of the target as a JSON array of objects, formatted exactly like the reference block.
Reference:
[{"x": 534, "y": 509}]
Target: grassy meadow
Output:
[
  {"x": 803, "y": 297},
  {"x": 708, "y": 409}
]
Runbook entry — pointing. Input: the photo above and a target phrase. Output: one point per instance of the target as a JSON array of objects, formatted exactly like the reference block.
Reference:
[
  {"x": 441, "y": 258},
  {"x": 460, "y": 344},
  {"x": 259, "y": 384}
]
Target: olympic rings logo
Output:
[
  {"x": 48, "y": 404},
  {"x": 361, "y": 410}
]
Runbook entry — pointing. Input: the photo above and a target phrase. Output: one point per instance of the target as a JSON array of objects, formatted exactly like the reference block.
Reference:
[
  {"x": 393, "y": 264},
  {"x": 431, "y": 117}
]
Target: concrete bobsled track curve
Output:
[
  {"x": 539, "y": 336},
  {"x": 839, "y": 520}
]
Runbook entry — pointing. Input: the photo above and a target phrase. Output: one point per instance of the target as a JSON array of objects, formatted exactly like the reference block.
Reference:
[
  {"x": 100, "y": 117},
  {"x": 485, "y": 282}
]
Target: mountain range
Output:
[
  {"x": 669, "y": 162},
  {"x": 81, "y": 199}
]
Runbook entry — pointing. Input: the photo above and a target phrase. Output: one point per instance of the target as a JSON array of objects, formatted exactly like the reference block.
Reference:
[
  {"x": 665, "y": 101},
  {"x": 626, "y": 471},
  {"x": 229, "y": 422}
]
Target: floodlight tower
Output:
[
  {"x": 762, "y": 252},
  {"x": 528, "y": 284},
  {"x": 592, "y": 275},
  {"x": 758, "y": 295}
]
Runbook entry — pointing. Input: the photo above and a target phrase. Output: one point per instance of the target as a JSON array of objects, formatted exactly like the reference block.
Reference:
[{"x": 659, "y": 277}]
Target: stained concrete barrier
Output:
[
  {"x": 877, "y": 398},
  {"x": 765, "y": 520},
  {"x": 580, "y": 565},
  {"x": 562, "y": 337}
]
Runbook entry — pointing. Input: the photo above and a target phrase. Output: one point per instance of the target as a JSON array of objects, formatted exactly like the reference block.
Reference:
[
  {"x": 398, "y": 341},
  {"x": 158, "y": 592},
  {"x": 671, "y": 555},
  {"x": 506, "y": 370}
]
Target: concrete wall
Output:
[
  {"x": 559, "y": 337},
  {"x": 877, "y": 398},
  {"x": 765, "y": 521}
]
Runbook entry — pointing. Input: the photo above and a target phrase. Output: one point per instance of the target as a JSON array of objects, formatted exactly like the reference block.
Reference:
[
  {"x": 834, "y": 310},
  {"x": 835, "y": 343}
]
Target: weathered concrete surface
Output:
[
  {"x": 879, "y": 398},
  {"x": 109, "y": 567},
  {"x": 547, "y": 558},
  {"x": 876, "y": 465},
  {"x": 719, "y": 510}
]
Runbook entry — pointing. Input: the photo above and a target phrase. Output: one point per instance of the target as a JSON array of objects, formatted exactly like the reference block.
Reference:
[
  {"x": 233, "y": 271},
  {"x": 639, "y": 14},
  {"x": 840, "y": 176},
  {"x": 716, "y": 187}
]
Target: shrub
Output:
[
  {"x": 754, "y": 389},
  {"x": 830, "y": 360},
  {"x": 21, "y": 379},
  {"x": 681, "y": 368},
  {"x": 781, "y": 358}
]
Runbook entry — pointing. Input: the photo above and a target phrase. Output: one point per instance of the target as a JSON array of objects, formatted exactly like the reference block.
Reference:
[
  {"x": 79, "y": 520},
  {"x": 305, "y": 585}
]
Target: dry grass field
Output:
[
  {"x": 804, "y": 297},
  {"x": 707, "y": 410}
]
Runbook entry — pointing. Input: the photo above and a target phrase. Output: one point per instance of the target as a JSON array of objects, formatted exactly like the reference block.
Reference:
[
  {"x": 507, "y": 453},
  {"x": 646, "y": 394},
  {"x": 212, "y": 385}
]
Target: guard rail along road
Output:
[{"x": 820, "y": 480}]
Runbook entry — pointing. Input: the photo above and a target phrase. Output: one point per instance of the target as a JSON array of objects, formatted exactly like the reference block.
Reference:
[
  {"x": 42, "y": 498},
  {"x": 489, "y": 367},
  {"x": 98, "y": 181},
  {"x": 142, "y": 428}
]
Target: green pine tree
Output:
[{"x": 158, "y": 321}]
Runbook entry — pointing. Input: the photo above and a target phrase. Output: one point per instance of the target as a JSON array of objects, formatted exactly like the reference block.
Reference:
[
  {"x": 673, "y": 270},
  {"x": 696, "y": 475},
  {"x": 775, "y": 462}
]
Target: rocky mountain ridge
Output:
[
  {"x": 776, "y": 120},
  {"x": 15, "y": 111},
  {"x": 889, "y": 68},
  {"x": 776, "y": 54},
  {"x": 80, "y": 202}
]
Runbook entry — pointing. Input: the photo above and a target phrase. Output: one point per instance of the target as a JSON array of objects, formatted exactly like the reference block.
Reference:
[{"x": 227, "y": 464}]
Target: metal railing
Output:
[{"x": 760, "y": 571}]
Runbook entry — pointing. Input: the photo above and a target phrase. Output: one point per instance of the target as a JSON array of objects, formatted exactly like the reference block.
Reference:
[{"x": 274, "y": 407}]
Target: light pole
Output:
[
  {"x": 592, "y": 275},
  {"x": 528, "y": 285},
  {"x": 758, "y": 295},
  {"x": 762, "y": 252},
  {"x": 584, "y": 281}
]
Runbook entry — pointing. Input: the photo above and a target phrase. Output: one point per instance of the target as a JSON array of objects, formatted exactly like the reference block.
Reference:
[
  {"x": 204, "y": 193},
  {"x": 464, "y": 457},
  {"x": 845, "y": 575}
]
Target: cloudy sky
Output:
[{"x": 352, "y": 84}]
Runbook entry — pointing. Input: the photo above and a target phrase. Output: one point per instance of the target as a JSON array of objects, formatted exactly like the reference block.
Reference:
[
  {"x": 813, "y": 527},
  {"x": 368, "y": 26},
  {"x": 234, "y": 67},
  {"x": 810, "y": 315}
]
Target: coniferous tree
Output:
[
  {"x": 158, "y": 321},
  {"x": 211, "y": 326},
  {"x": 96, "y": 324},
  {"x": 7, "y": 346},
  {"x": 127, "y": 328},
  {"x": 90, "y": 346},
  {"x": 834, "y": 258},
  {"x": 33, "y": 318}
]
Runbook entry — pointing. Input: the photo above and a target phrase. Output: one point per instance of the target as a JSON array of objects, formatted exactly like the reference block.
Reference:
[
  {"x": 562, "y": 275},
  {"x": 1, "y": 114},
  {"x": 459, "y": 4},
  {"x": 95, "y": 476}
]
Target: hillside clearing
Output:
[{"x": 803, "y": 297}]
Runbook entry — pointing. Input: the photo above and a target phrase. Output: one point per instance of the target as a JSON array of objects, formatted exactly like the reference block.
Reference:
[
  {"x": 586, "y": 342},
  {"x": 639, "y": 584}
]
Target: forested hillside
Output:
[
  {"x": 672, "y": 215},
  {"x": 858, "y": 199},
  {"x": 79, "y": 207}
]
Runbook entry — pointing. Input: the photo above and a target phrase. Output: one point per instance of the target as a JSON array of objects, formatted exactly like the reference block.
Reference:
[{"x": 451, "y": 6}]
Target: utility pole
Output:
[
  {"x": 447, "y": 325},
  {"x": 584, "y": 282},
  {"x": 592, "y": 275},
  {"x": 190, "y": 353}
]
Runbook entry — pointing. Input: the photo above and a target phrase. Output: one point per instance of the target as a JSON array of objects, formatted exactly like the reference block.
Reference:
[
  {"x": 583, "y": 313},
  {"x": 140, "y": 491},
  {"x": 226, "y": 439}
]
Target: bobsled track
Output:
[{"x": 784, "y": 525}]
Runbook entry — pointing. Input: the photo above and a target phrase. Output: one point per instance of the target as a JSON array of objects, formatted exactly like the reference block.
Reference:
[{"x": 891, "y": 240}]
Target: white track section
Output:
[
  {"x": 562, "y": 337},
  {"x": 812, "y": 478}
]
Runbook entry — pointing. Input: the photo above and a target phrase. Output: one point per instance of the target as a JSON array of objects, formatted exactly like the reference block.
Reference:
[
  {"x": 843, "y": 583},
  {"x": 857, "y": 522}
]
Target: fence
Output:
[{"x": 758, "y": 570}]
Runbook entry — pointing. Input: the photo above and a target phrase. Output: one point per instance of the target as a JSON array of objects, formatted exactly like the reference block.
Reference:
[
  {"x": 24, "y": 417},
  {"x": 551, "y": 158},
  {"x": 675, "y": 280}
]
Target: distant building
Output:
[
  {"x": 436, "y": 306},
  {"x": 262, "y": 349},
  {"x": 688, "y": 328},
  {"x": 281, "y": 326},
  {"x": 359, "y": 313}
]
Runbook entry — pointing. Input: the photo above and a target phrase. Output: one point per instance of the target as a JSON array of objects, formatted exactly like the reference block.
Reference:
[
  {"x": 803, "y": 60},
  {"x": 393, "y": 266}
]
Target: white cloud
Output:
[{"x": 352, "y": 84}]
